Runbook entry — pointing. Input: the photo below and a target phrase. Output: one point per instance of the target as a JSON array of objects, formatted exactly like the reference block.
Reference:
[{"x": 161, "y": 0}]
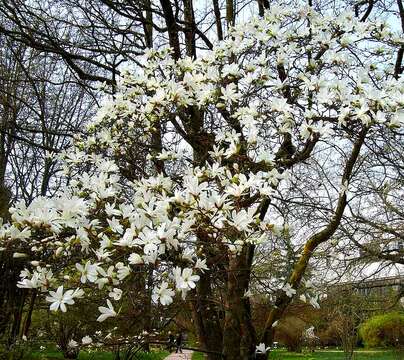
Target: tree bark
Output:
[
  {"x": 218, "y": 19},
  {"x": 28, "y": 317},
  {"x": 207, "y": 318},
  {"x": 239, "y": 334},
  {"x": 230, "y": 15},
  {"x": 190, "y": 28},
  {"x": 173, "y": 37}
]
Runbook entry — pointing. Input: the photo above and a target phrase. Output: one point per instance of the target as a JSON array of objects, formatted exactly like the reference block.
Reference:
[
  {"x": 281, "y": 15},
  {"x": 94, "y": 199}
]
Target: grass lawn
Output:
[
  {"x": 197, "y": 356},
  {"x": 332, "y": 355},
  {"x": 322, "y": 355},
  {"x": 56, "y": 355}
]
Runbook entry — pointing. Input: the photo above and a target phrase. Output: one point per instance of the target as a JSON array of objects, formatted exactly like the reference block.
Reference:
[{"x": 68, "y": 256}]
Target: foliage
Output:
[{"x": 383, "y": 330}]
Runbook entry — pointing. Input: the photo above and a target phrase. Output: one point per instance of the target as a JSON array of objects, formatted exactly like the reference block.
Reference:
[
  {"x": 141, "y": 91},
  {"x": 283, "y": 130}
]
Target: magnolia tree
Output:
[{"x": 180, "y": 169}]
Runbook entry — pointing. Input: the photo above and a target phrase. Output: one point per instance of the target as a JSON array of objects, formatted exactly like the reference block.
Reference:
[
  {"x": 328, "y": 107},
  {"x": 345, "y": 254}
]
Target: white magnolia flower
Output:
[
  {"x": 288, "y": 290},
  {"x": 261, "y": 349},
  {"x": 123, "y": 271},
  {"x": 72, "y": 344},
  {"x": 231, "y": 69},
  {"x": 107, "y": 276},
  {"x": 164, "y": 294},
  {"x": 230, "y": 93},
  {"x": 242, "y": 220},
  {"x": 60, "y": 299},
  {"x": 187, "y": 255},
  {"x": 16, "y": 233},
  {"x": 106, "y": 312},
  {"x": 32, "y": 283},
  {"x": 115, "y": 225},
  {"x": 88, "y": 272},
  {"x": 201, "y": 265},
  {"x": 135, "y": 259},
  {"x": 280, "y": 104},
  {"x": 115, "y": 294},
  {"x": 78, "y": 293},
  {"x": 18, "y": 255},
  {"x": 309, "y": 284},
  {"x": 186, "y": 280},
  {"x": 397, "y": 120},
  {"x": 314, "y": 302},
  {"x": 86, "y": 340}
]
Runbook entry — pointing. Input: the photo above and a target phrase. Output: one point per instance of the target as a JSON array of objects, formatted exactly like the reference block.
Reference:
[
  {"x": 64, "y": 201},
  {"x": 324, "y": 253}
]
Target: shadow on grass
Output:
[{"x": 96, "y": 355}]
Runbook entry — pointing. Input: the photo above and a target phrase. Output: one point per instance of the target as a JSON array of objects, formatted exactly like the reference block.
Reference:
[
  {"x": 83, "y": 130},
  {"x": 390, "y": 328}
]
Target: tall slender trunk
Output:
[
  {"x": 148, "y": 25},
  {"x": 148, "y": 319},
  {"x": 230, "y": 14},
  {"x": 172, "y": 29},
  {"x": 239, "y": 334},
  {"x": 28, "y": 317},
  {"x": 190, "y": 27},
  {"x": 218, "y": 20},
  {"x": 17, "y": 317},
  {"x": 207, "y": 318}
]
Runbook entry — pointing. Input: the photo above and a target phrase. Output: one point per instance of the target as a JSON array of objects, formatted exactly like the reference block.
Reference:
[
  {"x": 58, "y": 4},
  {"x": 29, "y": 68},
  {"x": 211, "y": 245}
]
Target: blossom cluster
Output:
[{"x": 291, "y": 73}]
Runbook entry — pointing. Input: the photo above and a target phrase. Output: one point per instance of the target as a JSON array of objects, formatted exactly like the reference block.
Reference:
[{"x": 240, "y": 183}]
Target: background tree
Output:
[{"x": 41, "y": 110}]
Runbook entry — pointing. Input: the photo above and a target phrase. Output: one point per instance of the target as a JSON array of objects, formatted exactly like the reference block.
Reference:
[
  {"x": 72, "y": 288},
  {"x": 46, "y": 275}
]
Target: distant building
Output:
[{"x": 375, "y": 286}]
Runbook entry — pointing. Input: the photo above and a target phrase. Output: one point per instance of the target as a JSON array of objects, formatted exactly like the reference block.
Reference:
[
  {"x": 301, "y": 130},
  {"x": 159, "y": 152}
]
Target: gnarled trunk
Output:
[
  {"x": 238, "y": 334},
  {"x": 207, "y": 318}
]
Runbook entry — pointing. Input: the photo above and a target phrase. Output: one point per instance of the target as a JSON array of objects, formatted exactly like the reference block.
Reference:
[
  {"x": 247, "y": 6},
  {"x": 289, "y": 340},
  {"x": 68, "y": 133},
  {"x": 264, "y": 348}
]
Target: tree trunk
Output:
[
  {"x": 230, "y": 15},
  {"x": 148, "y": 306},
  {"x": 206, "y": 318},
  {"x": 239, "y": 334},
  {"x": 189, "y": 30},
  {"x": 28, "y": 317},
  {"x": 234, "y": 308}
]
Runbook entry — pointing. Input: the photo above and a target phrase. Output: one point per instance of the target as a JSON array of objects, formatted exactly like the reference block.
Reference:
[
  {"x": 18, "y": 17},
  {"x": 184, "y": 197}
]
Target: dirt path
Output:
[{"x": 186, "y": 355}]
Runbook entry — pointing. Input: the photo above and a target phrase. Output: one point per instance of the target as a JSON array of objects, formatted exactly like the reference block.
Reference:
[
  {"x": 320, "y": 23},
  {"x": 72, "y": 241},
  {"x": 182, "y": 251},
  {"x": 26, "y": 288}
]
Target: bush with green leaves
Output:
[{"x": 383, "y": 330}]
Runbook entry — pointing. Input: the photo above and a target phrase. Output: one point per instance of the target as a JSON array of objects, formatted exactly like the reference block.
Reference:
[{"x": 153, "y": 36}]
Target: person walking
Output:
[
  {"x": 171, "y": 341},
  {"x": 178, "y": 342}
]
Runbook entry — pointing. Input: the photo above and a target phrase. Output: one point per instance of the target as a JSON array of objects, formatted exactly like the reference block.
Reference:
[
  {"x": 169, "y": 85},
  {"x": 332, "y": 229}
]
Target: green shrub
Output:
[{"x": 383, "y": 330}]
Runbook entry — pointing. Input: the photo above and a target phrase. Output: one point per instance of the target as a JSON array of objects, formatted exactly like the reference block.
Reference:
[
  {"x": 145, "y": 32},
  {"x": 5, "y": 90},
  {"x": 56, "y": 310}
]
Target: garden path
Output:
[{"x": 186, "y": 355}]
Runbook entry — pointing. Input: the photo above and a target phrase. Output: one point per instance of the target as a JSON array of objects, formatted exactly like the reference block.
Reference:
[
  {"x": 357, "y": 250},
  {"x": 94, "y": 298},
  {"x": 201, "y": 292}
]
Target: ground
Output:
[
  {"x": 325, "y": 355},
  {"x": 333, "y": 355},
  {"x": 276, "y": 355},
  {"x": 186, "y": 355},
  {"x": 56, "y": 355}
]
